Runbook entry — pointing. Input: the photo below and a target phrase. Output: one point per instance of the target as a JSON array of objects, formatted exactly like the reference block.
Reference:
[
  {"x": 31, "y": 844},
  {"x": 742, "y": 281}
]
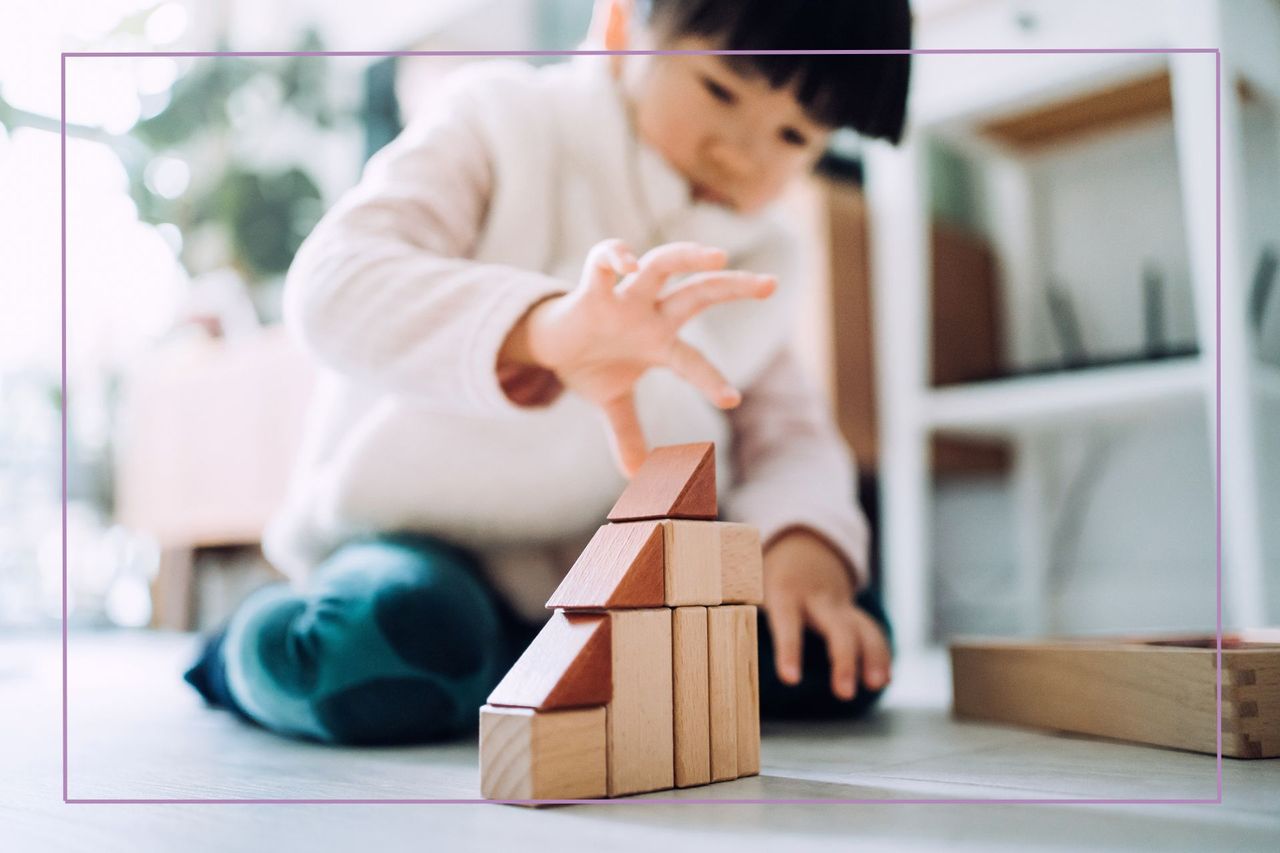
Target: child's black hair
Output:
[{"x": 865, "y": 92}]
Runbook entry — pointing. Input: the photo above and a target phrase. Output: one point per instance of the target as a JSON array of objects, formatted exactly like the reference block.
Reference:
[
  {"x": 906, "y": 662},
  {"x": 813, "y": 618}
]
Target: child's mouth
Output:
[{"x": 702, "y": 192}]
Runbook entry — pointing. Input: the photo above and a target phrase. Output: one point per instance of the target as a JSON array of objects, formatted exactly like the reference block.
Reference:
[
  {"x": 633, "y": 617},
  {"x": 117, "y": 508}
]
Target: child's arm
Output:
[
  {"x": 795, "y": 481},
  {"x": 383, "y": 289}
]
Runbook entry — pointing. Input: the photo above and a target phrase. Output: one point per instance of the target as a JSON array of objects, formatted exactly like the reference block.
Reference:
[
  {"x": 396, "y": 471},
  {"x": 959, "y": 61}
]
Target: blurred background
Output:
[{"x": 1015, "y": 321}]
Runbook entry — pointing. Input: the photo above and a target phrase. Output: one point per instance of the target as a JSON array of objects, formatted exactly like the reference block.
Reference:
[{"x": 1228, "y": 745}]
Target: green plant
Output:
[{"x": 262, "y": 213}]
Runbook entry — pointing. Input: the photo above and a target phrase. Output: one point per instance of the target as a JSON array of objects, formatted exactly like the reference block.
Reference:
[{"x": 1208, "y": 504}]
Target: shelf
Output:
[
  {"x": 1003, "y": 406},
  {"x": 1119, "y": 105}
]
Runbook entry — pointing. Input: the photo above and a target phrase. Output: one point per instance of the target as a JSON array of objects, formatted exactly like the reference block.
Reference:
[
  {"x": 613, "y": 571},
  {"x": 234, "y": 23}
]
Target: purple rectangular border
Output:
[{"x": 672, "y": 800}]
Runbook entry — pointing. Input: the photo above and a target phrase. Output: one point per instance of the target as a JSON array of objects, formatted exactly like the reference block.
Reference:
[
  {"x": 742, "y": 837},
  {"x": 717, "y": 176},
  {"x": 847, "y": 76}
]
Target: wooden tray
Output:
[{"x": 1157, "y": 690}]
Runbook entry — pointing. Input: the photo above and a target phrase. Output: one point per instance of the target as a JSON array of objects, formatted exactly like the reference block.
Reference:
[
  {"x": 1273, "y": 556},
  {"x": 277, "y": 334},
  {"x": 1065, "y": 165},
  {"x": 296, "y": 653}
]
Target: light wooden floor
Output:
[{"x": 137, "y": 732}]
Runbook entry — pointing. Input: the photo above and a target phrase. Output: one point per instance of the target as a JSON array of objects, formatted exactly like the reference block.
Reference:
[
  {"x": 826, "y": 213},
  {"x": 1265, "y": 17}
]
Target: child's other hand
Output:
[
  {"x": 619, "y": 321},
  {"x": 806, "y": 583}
]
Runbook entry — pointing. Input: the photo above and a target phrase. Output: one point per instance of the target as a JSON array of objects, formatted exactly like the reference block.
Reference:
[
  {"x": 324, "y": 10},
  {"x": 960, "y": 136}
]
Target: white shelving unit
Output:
[
  {"x": 953, "y": 98},
  {"x": 1007, "y": 407}
]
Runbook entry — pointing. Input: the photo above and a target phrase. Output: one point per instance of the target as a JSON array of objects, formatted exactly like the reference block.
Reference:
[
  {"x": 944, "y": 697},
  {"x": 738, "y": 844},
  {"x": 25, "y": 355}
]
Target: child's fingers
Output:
[
  {"x": 606, "y": 262},
  {"x": 693, "y": 367},
  {"x": 876, "y": 658},
  {"x": 787, "y": 629},
  {"x": 660, "y": 263},
  {"x": 836, "y": 624},
  {"x": 702, "y": 291},
  {"x": 626, "y": 433}
]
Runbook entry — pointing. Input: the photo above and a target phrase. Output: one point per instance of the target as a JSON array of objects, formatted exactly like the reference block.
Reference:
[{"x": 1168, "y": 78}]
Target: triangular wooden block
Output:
[
  {"x": 622, "y": 566},
  {"x": 567, "y": 665},
  {"x": 678, "y": 481}
]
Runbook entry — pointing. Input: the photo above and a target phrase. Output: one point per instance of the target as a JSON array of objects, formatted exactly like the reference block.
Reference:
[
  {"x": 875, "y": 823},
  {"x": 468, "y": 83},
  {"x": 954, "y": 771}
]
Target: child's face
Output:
[{"x": 737, "y": 140}]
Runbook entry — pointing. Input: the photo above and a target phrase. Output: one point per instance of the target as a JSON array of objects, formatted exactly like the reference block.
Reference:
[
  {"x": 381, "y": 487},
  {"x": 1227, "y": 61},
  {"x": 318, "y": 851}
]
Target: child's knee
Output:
[
  {"x": 391, "y": 645},
  {"x": 441, "y": 625}
]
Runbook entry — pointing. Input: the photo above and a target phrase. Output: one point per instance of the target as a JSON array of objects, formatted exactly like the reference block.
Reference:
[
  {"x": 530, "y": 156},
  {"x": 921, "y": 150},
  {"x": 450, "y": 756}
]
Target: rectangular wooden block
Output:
[
  {"x": 741, "y": 564},
  {"x": 542, "y": 755},
  {"x": 640, "y": 722},
  {"x": 692, "y": 568},
  {"x": 1156, "y": 691},
  {"x": 747, "y": 687},
  {"x": 722, "y": 676},
  {"x": 689, "y": 681}
]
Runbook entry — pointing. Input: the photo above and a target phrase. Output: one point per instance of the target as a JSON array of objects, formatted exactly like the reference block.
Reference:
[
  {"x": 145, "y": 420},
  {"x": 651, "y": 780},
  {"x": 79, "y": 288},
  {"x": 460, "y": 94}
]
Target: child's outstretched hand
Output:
[
  {"x": 806, "y": 583},
  {"x": 620, "y": 320}
]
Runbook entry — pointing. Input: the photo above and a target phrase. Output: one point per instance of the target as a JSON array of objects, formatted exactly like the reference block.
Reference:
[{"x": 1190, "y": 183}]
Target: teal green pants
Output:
[{"x": 398, "y": 640}]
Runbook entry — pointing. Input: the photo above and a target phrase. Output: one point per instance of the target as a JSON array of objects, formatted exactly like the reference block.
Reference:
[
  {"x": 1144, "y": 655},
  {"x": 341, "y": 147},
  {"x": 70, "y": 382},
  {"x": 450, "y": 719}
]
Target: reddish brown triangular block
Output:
[
  {"x": 567, "y": 665},
  {"x": 622, "y": 566},
  {"x": 678, "y": 481}
]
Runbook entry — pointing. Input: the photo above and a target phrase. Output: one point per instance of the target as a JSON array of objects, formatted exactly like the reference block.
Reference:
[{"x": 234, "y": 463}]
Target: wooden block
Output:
[
  {"x": 692, "y": 562},
  {"x": 622, "y": 566},
  {"x": 567, "y": 665},
  {"x": 689, "y": 684},
  {"x": 677, "y": 481},
  {"x": 722, "y": 703},
  {"x": 640, "y": 723},
  {"x": 1157, "y": 691},
  {"x": 542, "y": 755},
  {"x": 741, "y": 564},
  {"x": 747, "y": 689}
]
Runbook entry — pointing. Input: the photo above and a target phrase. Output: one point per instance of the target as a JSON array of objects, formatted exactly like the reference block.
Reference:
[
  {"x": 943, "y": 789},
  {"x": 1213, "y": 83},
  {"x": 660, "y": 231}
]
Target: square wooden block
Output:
[{"x": 692, "y": 562}]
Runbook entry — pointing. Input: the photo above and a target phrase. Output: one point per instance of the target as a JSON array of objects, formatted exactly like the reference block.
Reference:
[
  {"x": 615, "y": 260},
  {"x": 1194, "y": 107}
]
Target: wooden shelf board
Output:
[{"x": 1121, "y": 104}]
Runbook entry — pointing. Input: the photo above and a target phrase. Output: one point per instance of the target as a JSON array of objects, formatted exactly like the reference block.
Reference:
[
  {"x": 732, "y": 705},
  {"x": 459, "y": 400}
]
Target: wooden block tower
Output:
[{"x": 646, "y": 676}]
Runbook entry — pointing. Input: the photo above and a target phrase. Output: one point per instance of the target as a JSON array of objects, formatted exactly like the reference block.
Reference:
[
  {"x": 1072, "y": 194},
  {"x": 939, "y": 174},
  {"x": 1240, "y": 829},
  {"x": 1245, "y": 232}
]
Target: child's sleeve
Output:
[
  {"x": 793, "y": 468},
  {"x": 383, "y": 290}
]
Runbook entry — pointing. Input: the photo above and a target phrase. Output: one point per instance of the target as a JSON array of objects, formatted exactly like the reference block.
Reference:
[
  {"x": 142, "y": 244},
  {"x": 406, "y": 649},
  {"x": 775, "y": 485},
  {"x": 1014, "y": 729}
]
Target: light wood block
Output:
[
  {"x": 640, "y": 722},
  {"x": 567, "y": 665},
  {"x": 722, "y": 670},
  {"x": 542, "y": 755},
  {"x": 622, "y": 566},
  {"x": 689, "y": 683},
  {"x": 741, "y": 564},
  {"x": 677, "y": 481},
  {"x": 692, "y": 565},
  {"x": 1159, "y": 691},
  {"x": 747, "y": 689}
]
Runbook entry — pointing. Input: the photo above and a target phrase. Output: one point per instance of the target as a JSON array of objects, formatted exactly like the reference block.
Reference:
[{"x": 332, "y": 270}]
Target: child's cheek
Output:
[{"x": 667, "y": 128}]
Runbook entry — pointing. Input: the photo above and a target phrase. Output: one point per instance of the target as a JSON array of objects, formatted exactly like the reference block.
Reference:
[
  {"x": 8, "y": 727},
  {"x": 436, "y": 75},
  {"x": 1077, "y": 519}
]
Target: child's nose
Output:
[{"x": 732, "y": 159}]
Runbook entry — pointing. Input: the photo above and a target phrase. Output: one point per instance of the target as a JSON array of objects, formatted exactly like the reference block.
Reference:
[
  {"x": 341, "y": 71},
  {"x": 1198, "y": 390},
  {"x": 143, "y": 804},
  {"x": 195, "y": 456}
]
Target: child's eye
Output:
[
  {"x": 720, "y": 93},
  {"x": 791, "y": 136}
]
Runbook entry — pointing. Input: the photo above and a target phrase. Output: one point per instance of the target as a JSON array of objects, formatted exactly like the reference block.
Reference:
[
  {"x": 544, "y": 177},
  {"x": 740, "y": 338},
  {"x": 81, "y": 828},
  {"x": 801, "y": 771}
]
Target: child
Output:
[{"x": 476, "y": 405}]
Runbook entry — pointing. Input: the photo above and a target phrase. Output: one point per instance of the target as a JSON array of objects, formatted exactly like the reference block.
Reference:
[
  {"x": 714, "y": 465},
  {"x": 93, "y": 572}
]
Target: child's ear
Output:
[{"x": 610, "y": 28}]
